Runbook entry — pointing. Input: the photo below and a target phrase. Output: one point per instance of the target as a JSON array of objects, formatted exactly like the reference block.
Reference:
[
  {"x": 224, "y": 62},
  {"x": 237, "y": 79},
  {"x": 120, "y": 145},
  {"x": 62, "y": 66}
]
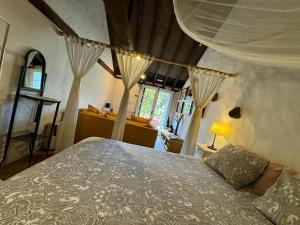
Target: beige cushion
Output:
[
  {"x": 136, "y": 123},
  {"x": 93, "y": 109},
  {"x": 238, "y": 167},
  {"x": 139, "y": 119},
  {"x": 91, "y": 112},
  {"x": 269, "y": 177},
  {"x": 281, "y": 202}
]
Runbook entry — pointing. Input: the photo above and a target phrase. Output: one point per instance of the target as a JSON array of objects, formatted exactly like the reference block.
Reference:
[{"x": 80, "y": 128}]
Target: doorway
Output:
[{"x": 155, "y": 103}]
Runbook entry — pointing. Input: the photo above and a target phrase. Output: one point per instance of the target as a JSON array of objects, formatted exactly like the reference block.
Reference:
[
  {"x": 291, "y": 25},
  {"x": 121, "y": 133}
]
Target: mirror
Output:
[{"x": 34, "y": 71}]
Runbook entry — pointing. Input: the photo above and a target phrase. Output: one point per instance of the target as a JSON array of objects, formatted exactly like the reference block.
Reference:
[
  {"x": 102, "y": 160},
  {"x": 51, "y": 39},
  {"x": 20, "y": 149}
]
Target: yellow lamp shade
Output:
[{"x": 220, "y": 129}]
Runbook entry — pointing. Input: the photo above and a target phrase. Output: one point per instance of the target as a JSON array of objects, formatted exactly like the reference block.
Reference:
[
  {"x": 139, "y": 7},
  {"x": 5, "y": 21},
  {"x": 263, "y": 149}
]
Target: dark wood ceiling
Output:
[{"x": 150, "y": 27}]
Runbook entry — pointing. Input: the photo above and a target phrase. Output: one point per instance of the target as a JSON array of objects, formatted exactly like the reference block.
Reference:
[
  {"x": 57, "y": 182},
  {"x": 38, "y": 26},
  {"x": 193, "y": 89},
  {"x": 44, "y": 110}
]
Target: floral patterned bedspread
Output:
[{"x": 109, "y": 182}]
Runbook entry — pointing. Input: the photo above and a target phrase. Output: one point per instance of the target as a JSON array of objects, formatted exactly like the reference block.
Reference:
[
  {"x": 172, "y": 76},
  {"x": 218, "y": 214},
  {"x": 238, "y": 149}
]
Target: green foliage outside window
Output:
[
  {"x": 147, "y": 102},
  {"x": 161, "y": 108}
]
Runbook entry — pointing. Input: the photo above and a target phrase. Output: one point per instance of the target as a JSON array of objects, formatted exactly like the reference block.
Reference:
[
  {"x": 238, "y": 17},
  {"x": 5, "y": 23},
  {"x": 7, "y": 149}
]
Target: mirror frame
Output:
[{"x": 24, "y": 69}]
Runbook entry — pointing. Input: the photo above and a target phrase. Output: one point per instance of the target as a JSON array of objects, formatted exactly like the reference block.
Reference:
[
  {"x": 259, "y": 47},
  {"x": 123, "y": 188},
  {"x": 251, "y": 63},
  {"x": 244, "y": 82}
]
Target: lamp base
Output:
[{"x": 212, "y": 147}]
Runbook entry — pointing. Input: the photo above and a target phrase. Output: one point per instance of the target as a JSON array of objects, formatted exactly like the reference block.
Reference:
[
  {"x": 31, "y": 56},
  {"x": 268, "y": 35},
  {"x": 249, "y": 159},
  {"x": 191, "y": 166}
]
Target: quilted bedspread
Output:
[{"x": 109, "y": 182}]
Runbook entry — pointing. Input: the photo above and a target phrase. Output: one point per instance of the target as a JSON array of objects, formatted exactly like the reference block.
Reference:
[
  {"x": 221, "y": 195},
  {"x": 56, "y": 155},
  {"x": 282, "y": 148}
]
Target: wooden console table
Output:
[
  {"x": 31, "y": 86},
  {"x": 31, "y": 137}
]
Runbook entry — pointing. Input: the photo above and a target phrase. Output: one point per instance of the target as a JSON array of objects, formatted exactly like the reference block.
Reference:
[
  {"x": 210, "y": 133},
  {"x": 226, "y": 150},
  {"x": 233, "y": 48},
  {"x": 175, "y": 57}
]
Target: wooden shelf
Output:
[{"x": 46, "y": 100}]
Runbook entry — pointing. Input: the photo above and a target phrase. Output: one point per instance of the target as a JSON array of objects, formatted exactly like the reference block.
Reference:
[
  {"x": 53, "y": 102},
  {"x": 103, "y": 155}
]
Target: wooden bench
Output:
[{"x": 172, "y": 142}]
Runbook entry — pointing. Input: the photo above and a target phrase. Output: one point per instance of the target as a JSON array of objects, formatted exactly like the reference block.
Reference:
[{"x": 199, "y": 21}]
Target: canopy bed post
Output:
[
  {"x": 82, "y": 56},
  {"x": 204, "y": 85},
  {"x": 131, "y": 67}
]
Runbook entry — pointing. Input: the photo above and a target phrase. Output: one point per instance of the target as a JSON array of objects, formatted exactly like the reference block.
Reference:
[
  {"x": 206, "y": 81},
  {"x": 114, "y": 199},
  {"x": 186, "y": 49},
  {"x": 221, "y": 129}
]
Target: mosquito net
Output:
[{"x": 259, "y": 31}]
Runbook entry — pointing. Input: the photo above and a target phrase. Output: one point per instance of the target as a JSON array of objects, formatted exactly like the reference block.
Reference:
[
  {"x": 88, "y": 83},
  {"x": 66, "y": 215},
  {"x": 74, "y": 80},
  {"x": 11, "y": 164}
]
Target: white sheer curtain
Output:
[
  {"x": 4, "y": 42},
  {"x": 131, "y": 67},
  {"x": 204, "y": 85},
  {"x": 260, "y": 31},
  {"x": 83, "y": 57}
]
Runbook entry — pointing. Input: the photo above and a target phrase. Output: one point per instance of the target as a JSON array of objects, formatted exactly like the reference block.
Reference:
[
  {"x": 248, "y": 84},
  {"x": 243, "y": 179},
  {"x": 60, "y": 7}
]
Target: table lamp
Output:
[{"x": 218, "y": 129}]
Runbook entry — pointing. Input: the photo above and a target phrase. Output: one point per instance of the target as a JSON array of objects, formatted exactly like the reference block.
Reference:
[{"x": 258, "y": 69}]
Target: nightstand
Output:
[{"x": 204, "y": 150}]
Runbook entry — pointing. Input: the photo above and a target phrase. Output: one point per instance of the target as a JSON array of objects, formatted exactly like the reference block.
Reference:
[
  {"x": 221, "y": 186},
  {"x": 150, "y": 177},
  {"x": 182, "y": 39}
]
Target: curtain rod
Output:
[
  {"x": 7, "y": 21},
  {"x": 60, "y": 33}
]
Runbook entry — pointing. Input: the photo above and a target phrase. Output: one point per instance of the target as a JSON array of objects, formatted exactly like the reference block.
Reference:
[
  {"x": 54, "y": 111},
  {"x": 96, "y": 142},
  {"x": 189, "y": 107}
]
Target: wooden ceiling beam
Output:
[
  {"x": 174, "y": 56},
  {"x": 116, "y": 11},
  {"x": 113, "y": 55},
  {"x": 174, "y": 84},
  {"x": 118, "y": 27},
  {"x": 193, "y": 57},
  {"x": 154, "y": 26},
  {"x": 129, "y": 9},
  {"x": 47, "y": 11},
  {"x": 166, "y": 38},
  {"x": 182, "y": 70},
  {"x": 138, "y": 25}
]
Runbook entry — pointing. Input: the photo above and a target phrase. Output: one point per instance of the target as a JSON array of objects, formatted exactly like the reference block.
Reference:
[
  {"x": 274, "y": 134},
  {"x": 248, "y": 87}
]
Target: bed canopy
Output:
[
  {"x": 260, "y": 31},
  {"x": 83, "y": 54}
]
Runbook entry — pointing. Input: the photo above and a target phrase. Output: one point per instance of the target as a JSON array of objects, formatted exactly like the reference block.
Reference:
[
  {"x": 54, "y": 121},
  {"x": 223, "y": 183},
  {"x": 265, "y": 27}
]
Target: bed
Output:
[{"x": 100, "y": 181}]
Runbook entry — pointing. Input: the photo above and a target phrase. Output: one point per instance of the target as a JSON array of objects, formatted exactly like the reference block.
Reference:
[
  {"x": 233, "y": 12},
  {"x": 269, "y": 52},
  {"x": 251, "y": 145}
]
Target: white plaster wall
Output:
[
  {"x": 269, "y": 99},
  {"x": 87, "y": 19},
  {"x": 32, "y": 30}
]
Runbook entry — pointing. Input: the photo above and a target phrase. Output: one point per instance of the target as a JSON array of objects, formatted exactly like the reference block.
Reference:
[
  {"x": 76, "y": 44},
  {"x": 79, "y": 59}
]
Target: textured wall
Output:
[
  {"x": 269, "y": 99},
  {"x": 35, "y": 31},
  {"x": 78, "y": 14},
  {"x": 87, "y": 19}
]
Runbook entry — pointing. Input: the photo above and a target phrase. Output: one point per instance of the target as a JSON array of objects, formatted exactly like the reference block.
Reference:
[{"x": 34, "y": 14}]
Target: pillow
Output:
[
  {"x": 140, "y": 119},
  {"x": 238, "y": 167},
  {"x": 281, "y": 202},
  {"x": 86, "y": 111},
  {"x": 268, "y": 179},
  {"x": 136, "y": 123},
  {"x": 93, "y": 109}
]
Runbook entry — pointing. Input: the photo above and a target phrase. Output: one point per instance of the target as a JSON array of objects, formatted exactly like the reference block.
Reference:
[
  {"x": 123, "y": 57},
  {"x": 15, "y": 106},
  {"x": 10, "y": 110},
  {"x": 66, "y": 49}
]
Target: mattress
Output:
[{"x": 102, "y": 181}]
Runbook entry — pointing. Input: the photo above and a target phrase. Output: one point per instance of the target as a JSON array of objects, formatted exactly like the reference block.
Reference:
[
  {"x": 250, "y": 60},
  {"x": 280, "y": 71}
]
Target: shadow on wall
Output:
[
  {"x": 262, "y": 105},
  {"x": 270, "y": 122},
  {"x": 269, "y": 100}
]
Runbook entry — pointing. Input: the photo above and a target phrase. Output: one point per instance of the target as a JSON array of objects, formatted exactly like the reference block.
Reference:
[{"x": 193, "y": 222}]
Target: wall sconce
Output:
[
  {"x": 215, "y": 98},
  {"x": 235, "y": 113}
]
